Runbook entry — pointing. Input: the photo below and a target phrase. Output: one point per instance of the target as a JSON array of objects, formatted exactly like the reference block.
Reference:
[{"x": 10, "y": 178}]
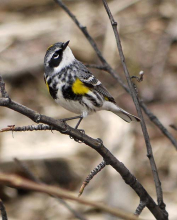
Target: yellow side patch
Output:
[
  {"x": 106, "y": 98},
  {"x": 79, "y": 88},
  {"x": 46, "y": 83},
  {"x": 47, "y": 86}
]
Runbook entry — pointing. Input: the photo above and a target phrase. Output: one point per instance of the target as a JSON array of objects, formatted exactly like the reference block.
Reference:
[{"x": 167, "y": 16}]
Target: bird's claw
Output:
[
  {"x": 100, "y": 141},
  {"x": 81, "y": 131},
  {"x": 77, "y": 140},
  {"x": 63, "y": 121}
]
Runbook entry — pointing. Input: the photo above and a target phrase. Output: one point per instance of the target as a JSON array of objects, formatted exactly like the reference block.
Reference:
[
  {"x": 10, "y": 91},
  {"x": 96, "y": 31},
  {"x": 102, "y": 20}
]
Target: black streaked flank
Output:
[
  {"x": 53, "y": 92},
  {"x": 88, "y": 108},
  {"x": 69, "y": 94},
  {"x": 98, "y": 96},
  {"x": 49, "y": 80},
  {"x": 93, "y": 100}
]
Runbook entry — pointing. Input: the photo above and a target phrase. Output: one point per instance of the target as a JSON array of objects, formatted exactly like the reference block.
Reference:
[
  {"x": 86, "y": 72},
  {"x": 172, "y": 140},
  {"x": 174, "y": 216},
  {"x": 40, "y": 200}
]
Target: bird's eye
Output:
[{"x": 56, "y": 55}]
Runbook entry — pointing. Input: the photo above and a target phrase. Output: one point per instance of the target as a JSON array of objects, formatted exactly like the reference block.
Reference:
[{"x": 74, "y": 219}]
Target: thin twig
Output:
[
  {"x": 96, "y": 170},
  {"x": 3, "y": 211},
  {"x": 128, "y": 177},
  {"x": 136, "y": 102},
  {"x": 95, "y": 66},
  {"x": 19, "y": 182},
  {"x": 2, "y": 87},
  {"x": 140, "y": 78},
  {"x": 31, "y": 175},
  {"x": 140, "y": 208},
  {"x": 23, "y": 166},
  {"x": 156, "y": 121},
  {"x": 152, "y": 117},
  {"x": 96, "y": 144},
  {"x": 39, "y": 127},
  {"x": 174, "y": 127},
  {"x": 93, "y": 43}
]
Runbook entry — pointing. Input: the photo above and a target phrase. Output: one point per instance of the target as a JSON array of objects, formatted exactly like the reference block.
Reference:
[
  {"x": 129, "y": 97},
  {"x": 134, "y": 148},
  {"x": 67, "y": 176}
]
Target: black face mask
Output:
[{"x": 56, "y": 58}]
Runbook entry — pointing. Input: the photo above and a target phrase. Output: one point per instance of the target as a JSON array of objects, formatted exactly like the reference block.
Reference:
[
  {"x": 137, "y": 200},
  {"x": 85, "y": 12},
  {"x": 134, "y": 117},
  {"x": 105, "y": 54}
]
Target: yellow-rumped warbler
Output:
[{"x": 74, "y": 87}]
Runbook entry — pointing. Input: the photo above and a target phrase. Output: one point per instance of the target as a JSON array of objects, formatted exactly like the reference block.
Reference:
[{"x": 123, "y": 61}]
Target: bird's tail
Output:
[
  {"x": 121, "y": 113},
  {"x": 126, "y": 116}
]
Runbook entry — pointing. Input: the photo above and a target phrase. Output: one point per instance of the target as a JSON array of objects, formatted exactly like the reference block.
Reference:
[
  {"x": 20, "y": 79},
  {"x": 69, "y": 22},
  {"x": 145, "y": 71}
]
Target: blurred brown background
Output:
[{"x": 148, "y": 30}]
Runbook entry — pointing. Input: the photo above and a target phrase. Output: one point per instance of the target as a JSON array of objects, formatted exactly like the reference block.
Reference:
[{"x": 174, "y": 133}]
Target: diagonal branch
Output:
[
  {"x": 2, "y": 87},
  {"x": 23, "y": 166},
  {"x": 137, "y": 104},
  {"x": 173, "y": 126},
  {"x": 39, "y": 127},
  {"x": 94, "y": 172},
  {"x": 93, "y": 43},
  {"x": 3, "y": 211},
  {"x": 140, "y": 208},
  {"x": 97, "y": 145},
  {"x": 94, "y": 66},
  {"x": 19, "y": 182},
  {"x": 151, "y": 116}
]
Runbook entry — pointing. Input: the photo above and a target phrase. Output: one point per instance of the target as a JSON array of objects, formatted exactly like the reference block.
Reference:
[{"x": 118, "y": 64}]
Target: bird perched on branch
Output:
[{"x": 75, "y": 88}]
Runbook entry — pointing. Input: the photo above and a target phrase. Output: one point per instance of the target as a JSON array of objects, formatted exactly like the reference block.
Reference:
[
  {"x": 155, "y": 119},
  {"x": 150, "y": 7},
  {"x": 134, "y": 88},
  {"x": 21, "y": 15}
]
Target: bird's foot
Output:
[
  {"x": 81, "y": 131},
  {"x": 100, "y": 141}
]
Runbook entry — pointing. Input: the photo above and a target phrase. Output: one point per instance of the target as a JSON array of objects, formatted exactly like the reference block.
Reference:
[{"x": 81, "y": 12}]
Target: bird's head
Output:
[{"x": 57, "y": 57}]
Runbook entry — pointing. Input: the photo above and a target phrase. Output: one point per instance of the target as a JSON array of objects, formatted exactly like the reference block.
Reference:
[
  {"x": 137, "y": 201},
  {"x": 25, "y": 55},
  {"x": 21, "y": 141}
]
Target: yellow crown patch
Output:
[{"x": 50, "y": 47}]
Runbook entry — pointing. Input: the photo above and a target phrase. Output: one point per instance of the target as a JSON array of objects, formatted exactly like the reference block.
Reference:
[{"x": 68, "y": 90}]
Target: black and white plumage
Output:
[{"x": 74, "y": 87}]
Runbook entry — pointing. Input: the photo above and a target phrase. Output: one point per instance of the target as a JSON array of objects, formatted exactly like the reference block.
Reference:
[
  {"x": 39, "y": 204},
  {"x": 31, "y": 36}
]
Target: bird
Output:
[{"x": 75, "y": 88}]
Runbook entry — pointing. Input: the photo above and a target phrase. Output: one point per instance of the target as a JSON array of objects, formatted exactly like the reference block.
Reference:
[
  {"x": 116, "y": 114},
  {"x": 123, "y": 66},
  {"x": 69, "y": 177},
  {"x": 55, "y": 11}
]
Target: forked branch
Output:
[
  {"x": 19, "y": 182},
  {"x": 23, "y": 166},
  {"x": 109, "y": 69},
  {"x": 3, "y": 211},
  {"x": 94, "y": 172},
  {"x": 138, "y": 108},
  {"x": 96, "y": 144}
]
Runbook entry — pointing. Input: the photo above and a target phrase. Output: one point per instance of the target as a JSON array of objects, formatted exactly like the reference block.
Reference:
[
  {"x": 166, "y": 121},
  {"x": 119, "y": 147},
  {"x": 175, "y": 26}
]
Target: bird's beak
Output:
[{"x": 65, "y": 45}]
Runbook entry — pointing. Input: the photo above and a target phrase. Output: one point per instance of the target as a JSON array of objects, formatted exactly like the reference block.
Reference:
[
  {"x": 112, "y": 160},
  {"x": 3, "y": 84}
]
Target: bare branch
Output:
[
  {"x": 93, "y": 43},
  {"x": 173, "y": 126},
  {"x": 27, "y": 171},
  {"x": 156, "y": 121},
  {"x": 3, "y": 211},
  {"x": 140, "y": 78},
  {"x": 136, "y": 102},
  {"x": 2, "y": 87},
  {"x": 39, "y": 127},
  {"x": 96, "y": 170},
  {"x": 151, "y": 116},
  {"x": 19, "y": 182},
  {"x": 94, "y": 66},
  {"x": 140, "y": 208},
  {"x": 97, "y": 145}
]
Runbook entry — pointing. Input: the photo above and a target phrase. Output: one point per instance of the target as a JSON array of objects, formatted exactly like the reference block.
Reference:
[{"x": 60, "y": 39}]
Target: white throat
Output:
[{"x": 67, "y": 59}]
